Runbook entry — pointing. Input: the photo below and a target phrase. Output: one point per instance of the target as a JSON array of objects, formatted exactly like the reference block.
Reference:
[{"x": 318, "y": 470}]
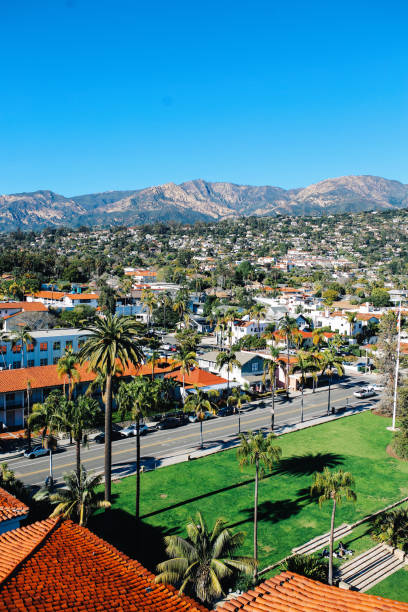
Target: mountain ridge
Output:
[{"x": 199, "y": 200}]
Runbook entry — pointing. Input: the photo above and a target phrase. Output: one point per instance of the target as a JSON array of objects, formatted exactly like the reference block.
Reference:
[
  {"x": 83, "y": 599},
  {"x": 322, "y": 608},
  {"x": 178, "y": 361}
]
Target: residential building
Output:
[
  {"x": 61, "y": 300},
  {"x": 12, "y": 511},
  {"x": 249, "y": 372}
]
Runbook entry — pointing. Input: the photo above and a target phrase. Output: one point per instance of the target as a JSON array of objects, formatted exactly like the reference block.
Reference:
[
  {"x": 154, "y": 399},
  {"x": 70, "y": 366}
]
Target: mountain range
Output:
[{"x": 199, "y": 200}]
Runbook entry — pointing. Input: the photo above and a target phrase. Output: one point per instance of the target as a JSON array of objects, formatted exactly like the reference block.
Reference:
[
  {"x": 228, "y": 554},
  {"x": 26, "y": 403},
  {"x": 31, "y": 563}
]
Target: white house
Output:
[{"x": 241, "y": 328}]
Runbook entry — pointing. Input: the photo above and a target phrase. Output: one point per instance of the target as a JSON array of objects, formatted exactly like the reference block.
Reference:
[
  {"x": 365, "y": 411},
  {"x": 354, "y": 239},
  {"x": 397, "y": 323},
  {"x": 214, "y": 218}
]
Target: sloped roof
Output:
[
  {"x": 58, "y": 566},
  {"x": 26, "y": 306},
  {"x": 11, "y": 507},
  {"x": 289, "y": 592},
  {"x": 197, "y": 378}
]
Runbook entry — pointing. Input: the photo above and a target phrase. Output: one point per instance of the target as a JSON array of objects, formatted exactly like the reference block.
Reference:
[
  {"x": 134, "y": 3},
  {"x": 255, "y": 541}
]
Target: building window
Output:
[
  {"x": 30, "y": 348},
  {"x": 44, "y": 346},
  {"x": 16, "y": 348},
  {"x": 16, "y": 365},
  {"x": 43, "y": 362},
  {"x": 10, "y": 397},
  {"x": 30, "y": 363},
  {"x": 255, "y": 366},
  {"x": 55, "y": 360},
  {"x": 3, "y": 349},
  {"x": 68, "y": 345},
  {"x": 57, "y": 346}
]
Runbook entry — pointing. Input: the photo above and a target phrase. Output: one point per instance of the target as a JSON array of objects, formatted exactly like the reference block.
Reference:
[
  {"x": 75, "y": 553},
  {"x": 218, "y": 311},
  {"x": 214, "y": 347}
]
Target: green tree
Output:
[
  {"x": 44, "y": 416},
  {"x": 205, "y": 560},
  {"x": 139, "y": 398},
  {"x": 185, "y": 362},
  {"x": 199, "y": 403},
  {"x": 270, "y": 366},
  {"x": 107, "y": 300},
  {"x": 307, "y": 565},
  {"x": 66, "y": 368},
  {"x": 330, "y": 362},
  {"x": 303, "y": 365},
  {"x": 153, "y": 360},
  {"x": 263, "y": 454},
  {"x": 230, "y": 361},
  {"x": 149, "y": 301},
  {"x": 287, "y": 325},
  {"x": 78, "y": 499},
  {"x": 237, "y": 398},
  {"x": 22, "y": 338},
  {"x": 380, "y": 297},
  {"x": 113, "y": 342},
  {"x": 332, "y": 486}
]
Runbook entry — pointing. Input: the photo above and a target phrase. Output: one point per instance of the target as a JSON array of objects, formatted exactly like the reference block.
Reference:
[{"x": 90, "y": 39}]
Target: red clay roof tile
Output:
[{"x": 10, "y": 506}]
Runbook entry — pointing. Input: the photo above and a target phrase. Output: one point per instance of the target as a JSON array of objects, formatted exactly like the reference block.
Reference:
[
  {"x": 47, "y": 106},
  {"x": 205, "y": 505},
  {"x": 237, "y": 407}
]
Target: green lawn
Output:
[
  {"x": 216, "y": 486},
  {"x": 393, "y": 587}
]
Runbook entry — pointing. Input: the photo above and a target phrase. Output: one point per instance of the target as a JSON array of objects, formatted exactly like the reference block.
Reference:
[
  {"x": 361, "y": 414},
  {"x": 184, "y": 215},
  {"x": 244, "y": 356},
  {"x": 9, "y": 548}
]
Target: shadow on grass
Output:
[
  {"x": 308, "y": 464},
  {"x": 271, "y": 512},
  {"x": 137, "y": 540}
]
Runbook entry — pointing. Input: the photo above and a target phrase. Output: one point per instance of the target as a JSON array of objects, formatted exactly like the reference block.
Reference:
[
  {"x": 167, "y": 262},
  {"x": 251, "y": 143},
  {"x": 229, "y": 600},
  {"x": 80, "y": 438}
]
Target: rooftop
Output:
[{"x": 11, "y": 507}]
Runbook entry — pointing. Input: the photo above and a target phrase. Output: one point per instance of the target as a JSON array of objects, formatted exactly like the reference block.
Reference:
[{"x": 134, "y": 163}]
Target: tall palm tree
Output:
[
  {"x": 138, "y": 398},
  {"x": 44, "y": 416},
  {"x": 153, "y": 361},
  {"x": 287, "y": 325},
  {"x": 270, "y": 366},
  {"x": 200, "y": 403},
  {"x": 166, "y": 302},
  {"x": 180, "y": 304},
  {"x": 297, "y": 338},
  {"x": 185, "y": 361},
  {"x": 228, "y": 359},
  {"x": 333, "y": 486},
  {"x": 318, "y": 338},
  {"x": 78, "y": 499},
  {"x": 148, "y": 299},
  {"x": 303, "y": 365},
  {"x": 257, "y": 312},
  {"x": 330, "y": 361},
  {"x": 66, "y": 368},
  {"x": 203, "y": 561},
  {"x": 76, "y": 416},
  {"x": 315, "y": 359},
  {"x": 220, "y": 328},
  {"x": 351, "y": 319},
  {"x": 113, "y": 342},
  {"x": 263, "y": 454},
  {"x": 22, "y": 338},
  {"x": 238, "y": 399}
]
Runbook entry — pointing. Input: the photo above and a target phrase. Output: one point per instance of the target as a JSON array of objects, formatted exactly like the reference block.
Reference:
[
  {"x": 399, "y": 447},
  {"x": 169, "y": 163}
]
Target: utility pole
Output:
[{"x": 394, "y": 410}]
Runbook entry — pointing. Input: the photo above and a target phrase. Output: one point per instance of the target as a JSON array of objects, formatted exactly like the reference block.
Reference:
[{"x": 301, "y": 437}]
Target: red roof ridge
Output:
[{"x": 18, "y": 544}]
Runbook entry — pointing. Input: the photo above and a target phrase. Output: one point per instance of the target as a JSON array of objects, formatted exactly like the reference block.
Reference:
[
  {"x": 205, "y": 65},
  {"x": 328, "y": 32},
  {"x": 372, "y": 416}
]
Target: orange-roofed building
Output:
[
  {"x": 12, "y": 512},
  {"x": 10, "y": 308},
  {"x": 55, "y": 566},
  {"x": 289, "y": 592},
  {"x": 206, "y": 381}
]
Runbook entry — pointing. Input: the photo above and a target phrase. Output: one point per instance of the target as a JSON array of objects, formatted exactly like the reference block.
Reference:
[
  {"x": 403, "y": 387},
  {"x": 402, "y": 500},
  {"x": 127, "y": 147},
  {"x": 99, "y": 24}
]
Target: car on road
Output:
[
  {"x": 378, "y": 387},
  {"x": 131, "y": 430},
  {"x": 193, "y": 418},
  {"x": 364, "y": 393},
  {"x": 100, "y": 438},
  {"x": 36, "y": 451},
  {"x": 225, "y": 411},
  {"x": 170, "y": 423}
]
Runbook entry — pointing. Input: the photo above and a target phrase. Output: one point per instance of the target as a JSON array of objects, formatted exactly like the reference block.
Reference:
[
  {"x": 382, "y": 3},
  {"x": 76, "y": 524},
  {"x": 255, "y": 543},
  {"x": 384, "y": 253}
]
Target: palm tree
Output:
[
  {"x": 76, "y": 416},
  {"x": 390, "y": 527},
  {"x": 23, "y": 339},
  {"x": 318, "y": 338},
  {"x": 270, "y": 369},
  {"x": 4, "y": 337},
  {"x": 78, "y": 499},
  {"x": 148, "y": 299},
  {"x": 228, "y": 359},
  {"x": 153, "y": 361},
  {"x": 66, "y": 367},
  {"x": 297, "y": 338},
  {"x": 200, "y": 403},
  {"x": 351, "y": 319},
  {"x": 180, "y": 305},
  {"x": 166, "y": 302},
  {"x": 137, "y": 397},
  {"x": 220, "y": 328},
  {"x": 257, "y": 311},
  {"x": 333, "y": 486},
  {"x": 186, "y": 361},
  {"x": 113, "y": 342},
  {"x": 287, "y": 325},
  {"x": 262, "y": 453},
  {"x": 303, "y": 365},
  {"x": 203, "y": 561},
  {"x": 306, "y": 565},
  {"x": 330, "y": 361},
  {"x": 237, "y": 399},
  {"x": 44, "y": 416}
]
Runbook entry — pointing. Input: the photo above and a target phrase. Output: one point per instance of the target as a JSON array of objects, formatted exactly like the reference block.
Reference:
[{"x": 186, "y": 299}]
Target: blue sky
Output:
[{"x": 100, "y": 95}]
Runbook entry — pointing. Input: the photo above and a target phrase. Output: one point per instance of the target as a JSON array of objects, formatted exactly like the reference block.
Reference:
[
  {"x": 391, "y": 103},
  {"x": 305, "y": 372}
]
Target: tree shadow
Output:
[
  {"x": 139, "y": 541},
  {"x": 308, "y": 464},
  {"x": 272, "y": 512}
]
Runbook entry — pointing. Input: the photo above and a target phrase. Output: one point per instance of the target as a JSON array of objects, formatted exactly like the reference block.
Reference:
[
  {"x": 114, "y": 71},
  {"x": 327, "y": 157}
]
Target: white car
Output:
[
  {"x": 129, "y": 431},
  {"x": 363, "y": 393},
  {"x": 378, "y": 387}
]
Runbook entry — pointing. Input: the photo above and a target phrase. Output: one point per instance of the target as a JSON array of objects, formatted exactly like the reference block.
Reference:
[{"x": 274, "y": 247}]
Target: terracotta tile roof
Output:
[
  {"x": 290, "y": 592},
  {"x": 66, "y": 567},
  {"x": 197, "y": 378},
  {"x": 50, "y": 295},
  {"x": 366, "y": 316},
  {"x": 10, "y": 506},
  {"x": 82, "y": 296},
  {"x": 26, "y": 306}
]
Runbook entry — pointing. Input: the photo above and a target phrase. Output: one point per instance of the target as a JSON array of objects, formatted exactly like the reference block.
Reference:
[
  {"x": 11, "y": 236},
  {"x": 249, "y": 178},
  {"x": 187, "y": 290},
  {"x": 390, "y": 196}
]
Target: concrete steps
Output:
[
  {"x": 369, "y": 568},
  {"x": 322, "y": 541}
]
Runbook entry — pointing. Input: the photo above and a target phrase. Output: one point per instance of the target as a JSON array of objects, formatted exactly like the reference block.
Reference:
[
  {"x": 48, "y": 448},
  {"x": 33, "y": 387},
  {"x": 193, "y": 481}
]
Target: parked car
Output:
[
  {"x": 363, "y": 393},
  {"x": 169, "y": 423},
  {"x": 129, "y": 431},
  {"x": 193, "y": 418},
  {"x": 36, "y": 451},
  {"x": 377, "y": 387},
  {"x": 100, "y": 438},
  {"x": 225, "y": 411}
]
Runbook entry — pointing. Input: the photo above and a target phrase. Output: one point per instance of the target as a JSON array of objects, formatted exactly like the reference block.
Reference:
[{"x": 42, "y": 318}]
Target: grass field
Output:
[
  {"x": 393, "y": 587},
  {"x": 216, "y": 486}
]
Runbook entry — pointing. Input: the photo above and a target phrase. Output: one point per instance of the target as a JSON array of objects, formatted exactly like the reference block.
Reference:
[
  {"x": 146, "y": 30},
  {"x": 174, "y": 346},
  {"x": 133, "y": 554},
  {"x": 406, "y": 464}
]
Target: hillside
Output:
[{"x": 199, "y": 200}]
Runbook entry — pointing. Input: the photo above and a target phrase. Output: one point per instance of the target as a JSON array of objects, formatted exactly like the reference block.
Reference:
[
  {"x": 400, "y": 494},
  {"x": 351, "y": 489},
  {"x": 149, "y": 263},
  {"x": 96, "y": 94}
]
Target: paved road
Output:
[{"x": 158, "y": 445}]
